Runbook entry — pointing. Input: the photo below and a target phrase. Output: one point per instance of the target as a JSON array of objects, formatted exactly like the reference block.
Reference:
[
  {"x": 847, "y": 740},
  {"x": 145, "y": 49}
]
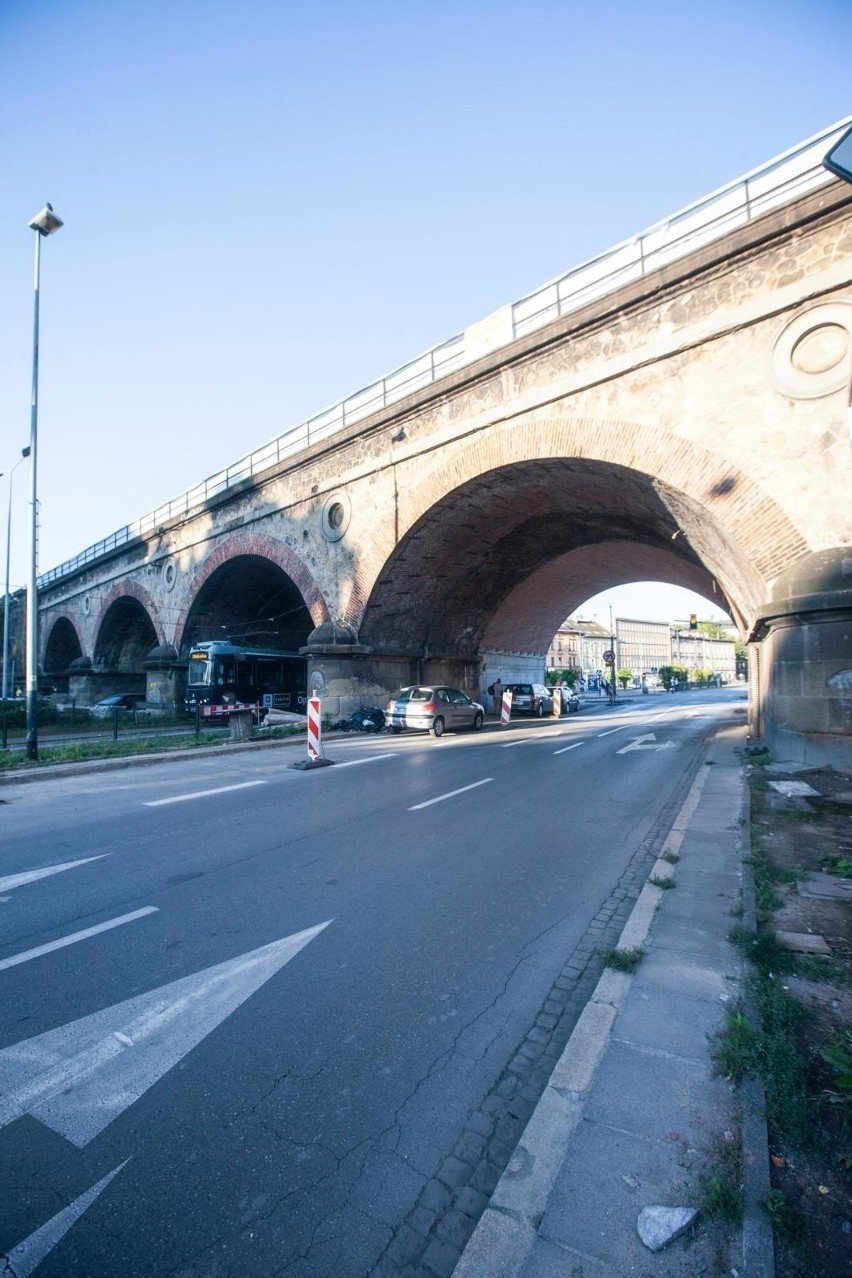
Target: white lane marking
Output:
[
  {"x": 28, "y": 1255},
  {"x": 570, "y": 747},
  {"x": 76, "y": 1079},
  {"x": 30, "y": 876},
  {"x": 26, "y": 955},
  {"x": 640, "y": 743},
  {"x": 609, "y": 734},
  {"x": 351, "y": 763},
  {"x": 507, "y": 745},
  {"x": 450, "y": 794},
  {"x": 201, "y": 794}
]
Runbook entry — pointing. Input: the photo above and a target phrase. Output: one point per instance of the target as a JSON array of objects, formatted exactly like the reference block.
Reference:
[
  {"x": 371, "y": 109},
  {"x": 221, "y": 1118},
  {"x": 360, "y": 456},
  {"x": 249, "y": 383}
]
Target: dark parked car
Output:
[
  {"x": 122, "y": 702},
  {"x": 433, "y": 709},
  {"x": 530, "y": 698}
]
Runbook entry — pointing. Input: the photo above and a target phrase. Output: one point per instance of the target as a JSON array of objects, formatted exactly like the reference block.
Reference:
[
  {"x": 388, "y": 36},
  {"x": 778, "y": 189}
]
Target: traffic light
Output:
[{"x": 693, "y": 621}]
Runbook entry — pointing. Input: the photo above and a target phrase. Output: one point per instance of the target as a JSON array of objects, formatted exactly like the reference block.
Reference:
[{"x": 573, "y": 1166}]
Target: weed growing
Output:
[
  {"x": 721, "y": 1182},
  {"x": 787, "y": 1221},
  {"x": 623, "y": 960}
]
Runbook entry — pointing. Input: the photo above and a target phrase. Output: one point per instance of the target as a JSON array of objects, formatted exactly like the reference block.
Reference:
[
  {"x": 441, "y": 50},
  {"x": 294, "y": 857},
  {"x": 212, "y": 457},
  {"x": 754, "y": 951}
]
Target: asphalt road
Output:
[{"x": 293, "y": 987}]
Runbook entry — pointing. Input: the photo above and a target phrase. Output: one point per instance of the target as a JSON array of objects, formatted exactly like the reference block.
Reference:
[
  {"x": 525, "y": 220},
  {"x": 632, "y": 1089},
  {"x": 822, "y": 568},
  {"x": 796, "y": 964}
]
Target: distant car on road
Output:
[
  {"x": 122, "y": 702},
  {"x": 530, "y": 698},
  {"x": 433, "y": 709}
]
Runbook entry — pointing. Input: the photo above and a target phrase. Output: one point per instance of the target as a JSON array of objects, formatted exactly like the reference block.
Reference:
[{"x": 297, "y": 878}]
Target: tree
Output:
[{"x": 624, "y": 676}]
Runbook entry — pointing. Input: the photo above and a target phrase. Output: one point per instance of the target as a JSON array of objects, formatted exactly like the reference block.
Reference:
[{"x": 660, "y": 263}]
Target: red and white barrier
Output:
[
  {"x": 214, "y": 712},
  {"x": 314, "y": 728},
  {"x": 506, "y": 709},
  {"x": 316, "y": 758}
]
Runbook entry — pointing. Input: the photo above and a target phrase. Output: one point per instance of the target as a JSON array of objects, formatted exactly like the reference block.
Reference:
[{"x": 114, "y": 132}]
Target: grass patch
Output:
[
  {"x": 766, "y": 875},
  {"x": 769, "y": 1053},
  {"x": 671, "y": 857},
  {"x": 80, "y": 751},
  {"x": 839, "y": 865},
  {"x": 787, "y": 1221},
  {"x": 823, "y": 968},
  {"x": 662, "y": 881},
  {"x": 623, "y": 960},
  {"x": 762, "y": 949},
  {"x": 721, "y": 1182}
]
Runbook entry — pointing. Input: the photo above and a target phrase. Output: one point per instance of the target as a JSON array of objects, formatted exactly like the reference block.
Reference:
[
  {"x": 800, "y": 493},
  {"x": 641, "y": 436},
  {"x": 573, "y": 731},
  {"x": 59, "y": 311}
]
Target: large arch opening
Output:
[
  {"x": 126, "y": 635},
  {"x": 500, "y": 561},
  {"x": 248, "y": 599},
  {"x": 62, "y": 647}
]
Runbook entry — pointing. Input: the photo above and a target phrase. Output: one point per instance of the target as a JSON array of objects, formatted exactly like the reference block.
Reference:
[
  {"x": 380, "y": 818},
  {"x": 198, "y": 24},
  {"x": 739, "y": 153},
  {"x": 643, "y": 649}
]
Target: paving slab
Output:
[
  {"x": 688, "y": 974},
  {"x": 670, "y": 1023},
  {"x": 653, "y": 1094},
  {"x": 689, "y": 937}
]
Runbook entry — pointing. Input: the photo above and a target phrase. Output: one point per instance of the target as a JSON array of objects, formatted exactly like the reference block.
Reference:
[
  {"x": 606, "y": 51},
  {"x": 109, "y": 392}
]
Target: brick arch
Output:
[
  {"x": 127, "y": 588},
  {"x": 740, "y": 533},
  {"x": 270, "y": 548}
]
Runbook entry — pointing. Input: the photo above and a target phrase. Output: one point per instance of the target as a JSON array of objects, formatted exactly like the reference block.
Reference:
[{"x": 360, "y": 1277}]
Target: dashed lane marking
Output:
[
  {"x": 570, "y": 747},
  {"x": 450, "y": 794},
  {"x": 26, "y": 955},
  {"x": 30, "y": 876},
  {"x": 200, "y": 794},
  {"x": 351, "y": 763}
]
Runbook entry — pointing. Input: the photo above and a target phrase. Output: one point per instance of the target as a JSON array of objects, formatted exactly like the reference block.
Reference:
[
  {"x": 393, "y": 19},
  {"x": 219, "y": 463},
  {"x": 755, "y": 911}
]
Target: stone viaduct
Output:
[{"x": 677, "y": 410}]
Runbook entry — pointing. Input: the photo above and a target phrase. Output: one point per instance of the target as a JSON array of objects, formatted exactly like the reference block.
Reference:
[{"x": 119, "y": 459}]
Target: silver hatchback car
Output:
[{"x": 433, "y": 709}]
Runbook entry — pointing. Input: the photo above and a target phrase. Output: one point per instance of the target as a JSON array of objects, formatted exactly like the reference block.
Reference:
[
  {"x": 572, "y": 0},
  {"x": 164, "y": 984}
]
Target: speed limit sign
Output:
[{"x": 609, "y": 657}]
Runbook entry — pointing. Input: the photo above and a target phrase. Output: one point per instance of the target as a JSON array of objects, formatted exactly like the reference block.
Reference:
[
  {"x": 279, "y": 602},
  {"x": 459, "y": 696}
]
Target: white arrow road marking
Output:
[
  {"x": 201, "y": 794},
  {"x": 78, "y": 1078},
  {"x": 29, "y": 1254},
  {"x": 26, "y": 955},
  {"x": 30, "y": 876},
  {"x": 638, "y": 743}
]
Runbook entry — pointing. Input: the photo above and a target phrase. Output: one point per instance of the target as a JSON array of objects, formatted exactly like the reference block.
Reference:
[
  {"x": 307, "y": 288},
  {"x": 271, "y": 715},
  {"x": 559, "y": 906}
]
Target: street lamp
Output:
[
  {"x": 44, "y": 223},
  {"x": 25, "y": 452}
]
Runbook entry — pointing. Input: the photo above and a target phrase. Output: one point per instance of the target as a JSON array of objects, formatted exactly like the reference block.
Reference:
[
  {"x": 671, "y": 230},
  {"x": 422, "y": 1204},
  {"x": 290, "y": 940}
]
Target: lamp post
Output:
[
  {"x": 44, "y": 223},
  {"x": 25, "y": 452}
]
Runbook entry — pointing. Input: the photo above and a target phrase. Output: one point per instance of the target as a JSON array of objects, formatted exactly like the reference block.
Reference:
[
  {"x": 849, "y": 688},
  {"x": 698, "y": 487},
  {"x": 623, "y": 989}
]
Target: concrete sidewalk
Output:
[{"x": 633, "y": 1112}]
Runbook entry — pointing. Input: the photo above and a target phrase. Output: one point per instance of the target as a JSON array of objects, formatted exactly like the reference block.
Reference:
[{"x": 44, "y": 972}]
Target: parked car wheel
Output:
[
  {"x": 395, "y": 730},
  {"x": 438, "y": 727},
  {"x": 540, "y": 710},
  {"x": 478, "y": 720}
]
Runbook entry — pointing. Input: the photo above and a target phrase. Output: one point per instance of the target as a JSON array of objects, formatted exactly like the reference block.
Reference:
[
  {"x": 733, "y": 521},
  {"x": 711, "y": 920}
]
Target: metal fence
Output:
[
  {"x": 783, "y": 179},
  {"x": 79, "y": 728}
]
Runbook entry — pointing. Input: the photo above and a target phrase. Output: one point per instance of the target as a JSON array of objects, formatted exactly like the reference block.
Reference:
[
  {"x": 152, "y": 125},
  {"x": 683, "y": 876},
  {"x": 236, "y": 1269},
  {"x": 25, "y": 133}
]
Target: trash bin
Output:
[{"x": 240, "y": 721}]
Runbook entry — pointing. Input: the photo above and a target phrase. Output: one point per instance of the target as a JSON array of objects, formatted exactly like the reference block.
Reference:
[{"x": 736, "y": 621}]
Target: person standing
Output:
[{"x": 497, "y": 695}]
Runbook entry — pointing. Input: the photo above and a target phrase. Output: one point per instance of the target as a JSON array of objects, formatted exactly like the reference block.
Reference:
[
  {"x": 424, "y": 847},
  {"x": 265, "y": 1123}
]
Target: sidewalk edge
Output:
[{"x": 508, "y": 1228}]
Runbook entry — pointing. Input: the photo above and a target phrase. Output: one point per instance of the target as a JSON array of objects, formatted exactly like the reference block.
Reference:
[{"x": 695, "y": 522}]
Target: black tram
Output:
[{"x": 223, "y": 674}]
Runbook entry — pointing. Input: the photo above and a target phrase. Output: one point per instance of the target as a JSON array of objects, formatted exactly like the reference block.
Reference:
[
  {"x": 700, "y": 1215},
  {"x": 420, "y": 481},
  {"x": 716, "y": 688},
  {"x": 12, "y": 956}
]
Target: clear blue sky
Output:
[{"x": 269, "y": 204}]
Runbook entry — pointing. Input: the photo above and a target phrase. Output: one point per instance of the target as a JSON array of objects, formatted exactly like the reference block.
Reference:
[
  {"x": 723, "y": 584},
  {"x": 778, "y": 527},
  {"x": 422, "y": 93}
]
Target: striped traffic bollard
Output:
[
  {"x": 506, "y": 709},
  {"x": 314, "y": 728},
  {"x": 316, "y": 758}
]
